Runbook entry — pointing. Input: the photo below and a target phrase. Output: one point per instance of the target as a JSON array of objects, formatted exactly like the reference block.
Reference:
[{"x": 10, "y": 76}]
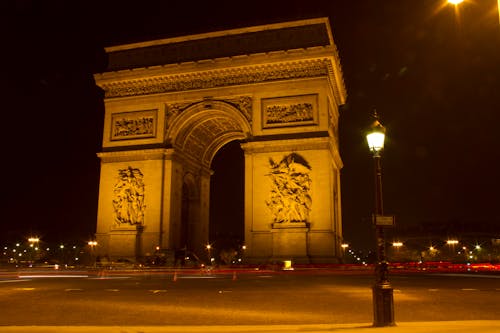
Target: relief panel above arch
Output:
[{"x": 129, "y": 124}]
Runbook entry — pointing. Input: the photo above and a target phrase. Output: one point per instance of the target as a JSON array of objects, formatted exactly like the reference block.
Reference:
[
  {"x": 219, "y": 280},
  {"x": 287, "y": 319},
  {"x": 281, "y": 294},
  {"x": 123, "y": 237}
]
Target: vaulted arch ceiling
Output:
[{"x": 202, "y": 129}]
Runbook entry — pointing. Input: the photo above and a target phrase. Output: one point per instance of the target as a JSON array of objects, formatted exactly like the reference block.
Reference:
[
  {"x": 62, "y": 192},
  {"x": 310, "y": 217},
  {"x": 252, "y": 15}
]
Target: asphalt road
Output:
[{"x": 251, "y": 298}]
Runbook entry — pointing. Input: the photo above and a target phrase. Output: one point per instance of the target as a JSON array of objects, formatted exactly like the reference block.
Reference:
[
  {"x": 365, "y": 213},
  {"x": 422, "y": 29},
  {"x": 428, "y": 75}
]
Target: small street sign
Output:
[{"x": 384, "y": 220}]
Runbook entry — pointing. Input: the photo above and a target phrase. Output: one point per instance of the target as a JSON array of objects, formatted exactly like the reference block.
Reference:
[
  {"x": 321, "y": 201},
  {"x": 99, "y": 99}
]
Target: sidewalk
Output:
[{"x": 477, "y": 326}]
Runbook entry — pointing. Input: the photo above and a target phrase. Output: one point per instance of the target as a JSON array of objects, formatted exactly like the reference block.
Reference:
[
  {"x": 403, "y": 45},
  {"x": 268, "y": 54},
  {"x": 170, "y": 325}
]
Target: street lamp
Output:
[
  {"x": 459, "y": 2},
  {"x": 34, "y": 246},
  {"x": 92, "y": 244},
  {"x": 33, "y": 240},
  {"x": 209, "y": 253},
  {"x": 383, "y": 301}
]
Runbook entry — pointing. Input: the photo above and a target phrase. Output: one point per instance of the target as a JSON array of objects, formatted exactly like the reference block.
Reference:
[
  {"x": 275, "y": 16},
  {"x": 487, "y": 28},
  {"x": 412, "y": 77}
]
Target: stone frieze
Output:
[{"x": 217, "y": 78}]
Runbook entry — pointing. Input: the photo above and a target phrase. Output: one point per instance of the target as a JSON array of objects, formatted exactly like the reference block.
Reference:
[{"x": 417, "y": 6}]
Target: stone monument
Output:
[{"x": 171, "y": 104}]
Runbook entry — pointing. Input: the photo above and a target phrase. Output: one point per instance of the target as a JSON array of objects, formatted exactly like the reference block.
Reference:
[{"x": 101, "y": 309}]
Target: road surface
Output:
[{"x": 241, "y": 298}]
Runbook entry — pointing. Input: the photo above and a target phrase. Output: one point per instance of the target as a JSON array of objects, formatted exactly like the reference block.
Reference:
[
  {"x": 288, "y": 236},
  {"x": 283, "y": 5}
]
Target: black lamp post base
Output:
[{"x": 383, "y": 305}]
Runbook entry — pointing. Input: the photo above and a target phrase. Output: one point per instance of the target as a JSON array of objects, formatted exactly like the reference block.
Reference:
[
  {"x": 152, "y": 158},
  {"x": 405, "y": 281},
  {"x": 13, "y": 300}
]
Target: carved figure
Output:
[
  {"x": 128, "y": 202},
  {"x": 133, "y": 126},
  {"x": 290, "y": 199},
  {"x": 290, "y": 113}
]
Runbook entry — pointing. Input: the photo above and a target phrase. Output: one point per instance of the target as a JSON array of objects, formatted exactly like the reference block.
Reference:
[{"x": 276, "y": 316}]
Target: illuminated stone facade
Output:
[{"x": 171, "y": 104}]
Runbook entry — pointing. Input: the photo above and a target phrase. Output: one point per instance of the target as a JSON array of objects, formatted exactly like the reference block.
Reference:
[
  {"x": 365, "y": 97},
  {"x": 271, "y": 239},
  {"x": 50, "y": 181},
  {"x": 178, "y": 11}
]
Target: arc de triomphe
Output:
[{"x": 171, "y": 104}]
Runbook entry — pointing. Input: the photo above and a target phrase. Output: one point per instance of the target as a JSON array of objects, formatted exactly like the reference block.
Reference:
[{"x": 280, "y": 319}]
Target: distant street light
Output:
[
  {"x": 33, "y": 244},
  {"x": 344, "y": 247},
  {"x": 92, "y": 245},
  {"x": 383, "y": 301},
  {"x": 33, "y": 240},
  {"x": 209, "y": 253}
]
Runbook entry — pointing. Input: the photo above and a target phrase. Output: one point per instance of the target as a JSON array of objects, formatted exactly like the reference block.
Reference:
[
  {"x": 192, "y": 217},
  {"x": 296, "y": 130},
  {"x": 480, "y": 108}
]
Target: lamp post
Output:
[{"x": 383, "y": 301}]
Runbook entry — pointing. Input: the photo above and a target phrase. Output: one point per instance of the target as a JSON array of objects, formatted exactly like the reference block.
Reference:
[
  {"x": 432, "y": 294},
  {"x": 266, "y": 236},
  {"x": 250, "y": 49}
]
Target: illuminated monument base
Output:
[
  {"x": 123, "y": 243},
  {"x": 171, "y": 104},
  {"x": 290, "y": 241}
]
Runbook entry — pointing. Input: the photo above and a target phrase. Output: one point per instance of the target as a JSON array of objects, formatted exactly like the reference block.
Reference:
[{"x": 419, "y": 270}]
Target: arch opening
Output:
[
  {"x": 184, "y": 231},
  {"x": 226, "y": 225},
  {"x": 184, "y": 242},
  {"x": 199, "y": 134}
]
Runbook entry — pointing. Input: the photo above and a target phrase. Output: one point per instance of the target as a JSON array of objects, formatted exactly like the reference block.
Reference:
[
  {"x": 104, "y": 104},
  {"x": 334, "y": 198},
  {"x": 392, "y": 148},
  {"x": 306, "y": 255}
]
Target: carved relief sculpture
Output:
[
  {"x": 289, "y": 111},
  {"x": 133, "y": 125},
  {"x": 290, "y": 199},
  {"x": 242, "y": 103},
  {"x": 128, "y": 202}
]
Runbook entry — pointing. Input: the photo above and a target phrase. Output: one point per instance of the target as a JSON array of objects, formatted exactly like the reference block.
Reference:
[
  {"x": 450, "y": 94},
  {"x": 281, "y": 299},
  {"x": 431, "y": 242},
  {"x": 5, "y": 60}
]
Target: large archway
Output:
[
  {"x": 226, "y": 230},
  {"x": 198, "y": 132},
  {"x": 171, "y": 105}
]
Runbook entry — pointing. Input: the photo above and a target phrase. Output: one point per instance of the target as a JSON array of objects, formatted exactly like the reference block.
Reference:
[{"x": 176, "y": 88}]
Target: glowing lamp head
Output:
[
  {"x": 376, "y": 135},
  {"x": 455, "y": 2}
]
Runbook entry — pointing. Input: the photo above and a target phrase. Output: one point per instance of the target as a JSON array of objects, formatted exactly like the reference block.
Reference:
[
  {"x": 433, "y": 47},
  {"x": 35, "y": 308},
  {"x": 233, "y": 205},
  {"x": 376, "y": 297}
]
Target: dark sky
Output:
[{"x": 432, "y": 73}]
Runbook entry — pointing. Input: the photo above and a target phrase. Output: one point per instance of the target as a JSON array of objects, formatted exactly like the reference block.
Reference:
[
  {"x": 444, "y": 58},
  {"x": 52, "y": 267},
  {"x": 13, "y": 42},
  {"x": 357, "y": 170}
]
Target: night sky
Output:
[{"x": 432, "y": 73}]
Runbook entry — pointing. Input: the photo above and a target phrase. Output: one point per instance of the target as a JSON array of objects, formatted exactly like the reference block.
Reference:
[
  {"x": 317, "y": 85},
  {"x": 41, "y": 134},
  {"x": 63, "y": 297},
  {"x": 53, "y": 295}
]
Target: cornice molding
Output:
[
  {"x": 286, "y": 145},
  {"x": 295, "y": 145},
  {"x": 223, "y": 77},
  {"x": 135, "y": 155}
]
